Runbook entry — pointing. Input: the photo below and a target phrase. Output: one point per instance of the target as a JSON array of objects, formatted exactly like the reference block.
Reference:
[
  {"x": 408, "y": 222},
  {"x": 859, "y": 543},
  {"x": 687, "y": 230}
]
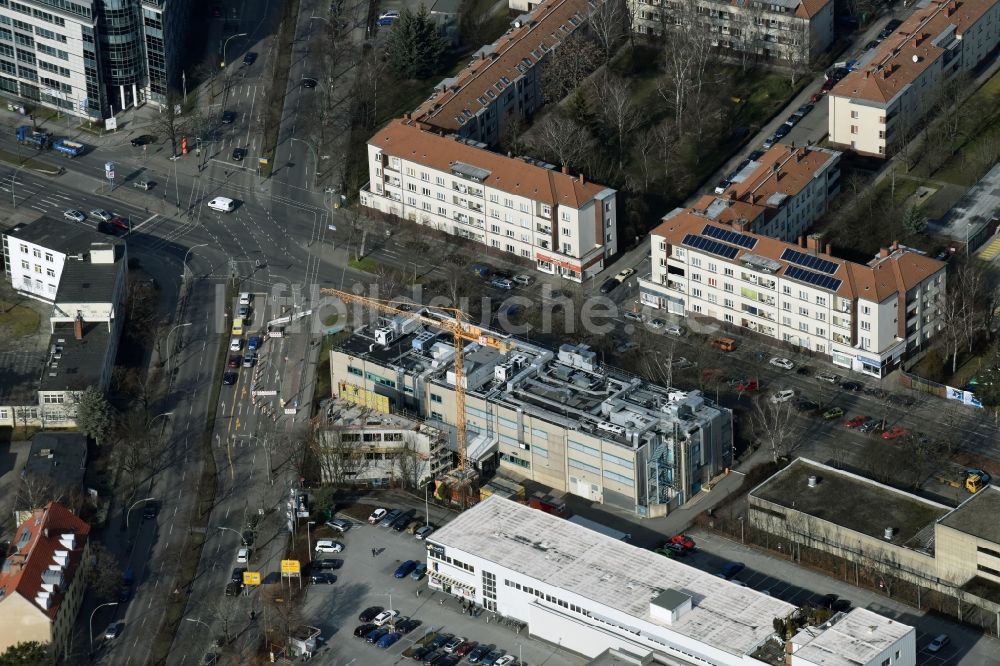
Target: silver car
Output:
[
  {"x": 102, "y": 215},
  {"x": 74, "y": 215}
]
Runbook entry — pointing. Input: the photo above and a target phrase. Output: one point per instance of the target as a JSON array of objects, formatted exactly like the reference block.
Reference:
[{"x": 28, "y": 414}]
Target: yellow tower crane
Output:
[{"x": 462, "y": 332}]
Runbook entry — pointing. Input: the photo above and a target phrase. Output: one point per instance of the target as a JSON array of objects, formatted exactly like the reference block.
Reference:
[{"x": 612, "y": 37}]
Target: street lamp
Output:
[
  {"x": 427, "y": 506},
  {"x": 309, "y": 539},
  {"x": 314, "y": 154},
  {"x": 225, "y": 44},
  {"x": 147, "y": 499},
  {"x": 168, "y": 342},
  {"x": 110, "y": 603},
  {"x": 186, "y": 254}
]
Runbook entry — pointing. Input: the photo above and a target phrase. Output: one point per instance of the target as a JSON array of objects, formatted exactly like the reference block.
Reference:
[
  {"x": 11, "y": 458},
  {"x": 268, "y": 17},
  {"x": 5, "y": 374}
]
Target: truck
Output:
[
  {"x": 68, "y": 148},
  {"x": 973, "y": 480},
  {"x": 32, "y": 137}
]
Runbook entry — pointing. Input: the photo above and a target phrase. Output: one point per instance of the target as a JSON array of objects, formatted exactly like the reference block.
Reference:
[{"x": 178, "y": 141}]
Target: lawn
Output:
[
  {"x": 17, "y": 321},
  {"x": 363, "y": 264}
]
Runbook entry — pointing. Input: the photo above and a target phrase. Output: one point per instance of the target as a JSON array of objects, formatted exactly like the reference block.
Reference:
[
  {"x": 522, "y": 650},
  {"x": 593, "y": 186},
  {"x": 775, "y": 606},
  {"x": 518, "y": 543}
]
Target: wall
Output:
[{"x": 21, "y": 620}]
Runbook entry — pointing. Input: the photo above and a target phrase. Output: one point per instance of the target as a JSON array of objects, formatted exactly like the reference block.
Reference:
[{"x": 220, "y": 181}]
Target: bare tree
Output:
[
  {"x": 772, "y": 423},
  {"x": 104, "y": 573},
  {"x": 34, "y": 491},
  {"x": 618, "y": 113},
  {"x": 752, "y": 32},
  {"x": 685, "y": 59},
  {"x": 573, "y": 60},
  {"x": 798, "y": 51},
  {"x": 562, "y": 139},
  {"x": 340, "y": 456},
  {"x": 609, "y": 23}
]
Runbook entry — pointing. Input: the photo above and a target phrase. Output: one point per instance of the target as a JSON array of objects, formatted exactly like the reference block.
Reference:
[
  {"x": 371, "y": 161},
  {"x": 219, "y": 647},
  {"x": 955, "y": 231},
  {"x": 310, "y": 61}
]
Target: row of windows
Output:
[
  {"x": 514, "y": 460},
  {"x": 38, "y": 269},
  {"x": 547, "y": 597},
  {"x": 584, "y": 466},
  {"x": 583, "y": 448},
  {"x": 450, "y": 560},
  {"x": 53, "y": 399}
]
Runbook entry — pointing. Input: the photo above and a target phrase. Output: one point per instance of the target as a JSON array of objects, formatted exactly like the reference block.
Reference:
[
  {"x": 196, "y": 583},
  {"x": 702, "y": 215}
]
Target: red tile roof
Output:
[
  {"x": 36, "y": 541},
  {"x": 519, "y": 48},
  {"x": 406, "y": 140},
  {"x": 910, "y": 50},
  {"x": 897, "y": 272}
]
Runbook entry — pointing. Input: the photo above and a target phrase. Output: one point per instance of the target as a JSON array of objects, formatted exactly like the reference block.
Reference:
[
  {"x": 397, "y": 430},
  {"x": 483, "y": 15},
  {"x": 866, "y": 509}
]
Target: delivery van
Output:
[{"x": 222, "y": 204}]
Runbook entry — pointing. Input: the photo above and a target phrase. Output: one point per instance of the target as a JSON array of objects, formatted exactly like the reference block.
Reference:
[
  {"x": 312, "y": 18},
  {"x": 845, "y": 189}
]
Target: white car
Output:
[
  {"x": 625, "y": 274},
  {"x": 74, "y": 215},
  {"x": 780, "y": 362},
  {"x": 423, "y": 532},
  {"x": 384, "y": 616},
  {"x": 236, "y": 344},
  {"x": 242, "y": 556},
  {"x": 505, "y": 660},
  {"x": 939, "y": 642},
  {"x": 523, "y": 280},
  {"x": 329, "y": 546},
  {"x": 245, "y": 297},
  {"x": 112, "y": 631},
  {"x": 782, "y": 396},
  {"x": 674, "y": 329},
  {"x": 657, "y": 324},
  {"x": 828, "y": 378},
  {"x": 377, "y": 516},
  {"x": 102, "y": 215}
]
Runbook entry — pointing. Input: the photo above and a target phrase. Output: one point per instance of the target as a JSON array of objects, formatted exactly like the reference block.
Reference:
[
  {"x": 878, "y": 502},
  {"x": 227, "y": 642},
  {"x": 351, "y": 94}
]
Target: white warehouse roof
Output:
[
  {"x": 854, "y": 638},
  {"x": 612, "y": 573}
]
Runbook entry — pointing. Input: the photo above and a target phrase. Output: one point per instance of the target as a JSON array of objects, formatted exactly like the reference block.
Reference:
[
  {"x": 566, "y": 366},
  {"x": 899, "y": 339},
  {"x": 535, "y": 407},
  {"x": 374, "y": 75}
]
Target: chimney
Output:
[
  {"x": 582, "y": 181},
  {"x": 885, "y": 73},
  {"x": 895, "y": 246},
  {"x": 78, "y": 327},
  {"x": 829, "y": 250},
  {"x": 802, "y": 241},
  {"x": 883, "y": 252},
  {"x": 510, "y": 154},
  {"x": 867, "y": 72},
  {"x": 951, "y": 8},
  {"x": 565, "y": 169},
  {"x": 815, "y": 242}
]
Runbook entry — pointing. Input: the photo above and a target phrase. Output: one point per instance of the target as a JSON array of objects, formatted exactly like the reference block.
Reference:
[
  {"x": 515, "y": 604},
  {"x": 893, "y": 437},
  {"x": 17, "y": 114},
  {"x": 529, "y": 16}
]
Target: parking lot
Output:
[
  {"x": 367, "y": 580},
  {"x": 784, "y": 580}
]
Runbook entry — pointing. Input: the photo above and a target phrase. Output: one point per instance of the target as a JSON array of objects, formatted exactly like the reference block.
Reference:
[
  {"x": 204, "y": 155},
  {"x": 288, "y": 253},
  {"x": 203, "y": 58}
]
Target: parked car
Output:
[
  {"x": 806, "y": 405},
  {"x": 674, "y": 329},
  {"x": 465, "y": 648},
  {"x": 748, "y": 384},
  {"x": 851, "y": 386},
  {"x": 403, "y": 520},
  {"x": 249, "y": 360},
  {"x": 782, "y": 396},
  {"x": 364, "y": 629},
  {"x": 339, "y": 525},
  {"x": 113, "y": 631},
  {"x": 482, "y": 270},
  {"x": 419, "y": 571},
  {"x": 451, "y": 645},
  {"x": 376, "y": 516},
  {"x": 730, "y": 569},
  {"x": 827, "y": 377},
  {"x": 624, "y": 274},
  {"x": 329, "y": 546},
  {"x": 677, "y": 549},
  {"x": 438, "y": 641},
  {"x": 390, "y": 518},
  {"x": 142, "y": 140},
  {"x": 327, "y": 564},
  {"x": 368, "y": 614},
  {"x": 895, "y": 432},
  {"x": 479, "y": 652},
  {"x": 322, "y": 578},
  {"x": 433, "y": 657},
  {"x": 502, "y": 283},
  {"x": 388, "y": 640},
  {"x": 856, "y": 422},
  {"x": 780, "y": 362},
  {"x": 236, "y": 575},
  {"x": 609, "y": 285},
  {"x": 523, "y": 280},
  {"x": 871, "y": 425},
  {"x": 491, "y": 657},
  {"x": 405, "y": 569},
  {"x": 243, "y": 555},
  {"x": 407, "y": 625},
  {"x": 684, "y": 540},
  {"x": 385, "y": 616},
  {"x": 249, "y": 58},
  {"x": 833, "y": 413},
  {"x": 423, "y": 532},
  {"x": 782, "y": 131},
  {"x": 721, "y": 187},
  {"x": 792, "y": 120},
  {"x": 229, "y": 378},
  {"x": 228, "y": 117},
  {"x": 633, "y": 316},
  {"x": 506, "y": 660},
  {"x": 388, "y": 18},
  {"x": 939, "y": 642},
  {"x": 375, "y": 634}
]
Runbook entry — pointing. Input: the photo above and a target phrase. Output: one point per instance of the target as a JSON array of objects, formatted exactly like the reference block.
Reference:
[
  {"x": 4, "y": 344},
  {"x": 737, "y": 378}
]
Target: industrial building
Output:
[
  {"x": 955, "y": 551},
  {"x": 595, "y": 594},
  {"x": 559, "y": 418}
]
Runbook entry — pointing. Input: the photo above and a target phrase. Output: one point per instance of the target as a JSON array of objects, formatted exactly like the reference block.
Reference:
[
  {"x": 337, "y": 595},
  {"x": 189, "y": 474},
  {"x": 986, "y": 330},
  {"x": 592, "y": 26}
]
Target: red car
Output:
[
  {"x": 119, "y": 223},
  {"x": 234, "y": 362},
  {"x": 856, "y": 422},
  {"x": 748, "y": 385},
  {"x": 895, "y": 432},
  {"x": 465, "y": 648},
  {"x": 683, "y": 540}
]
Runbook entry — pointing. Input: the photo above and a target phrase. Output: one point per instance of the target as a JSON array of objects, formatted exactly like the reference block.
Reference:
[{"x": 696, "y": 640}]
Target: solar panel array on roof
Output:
[
  {"x": 809, "y": 261},
  {"x": 818, "y": 279},
  {"x": 709, "y": 245},
  {"x": 730, "y": 236}
]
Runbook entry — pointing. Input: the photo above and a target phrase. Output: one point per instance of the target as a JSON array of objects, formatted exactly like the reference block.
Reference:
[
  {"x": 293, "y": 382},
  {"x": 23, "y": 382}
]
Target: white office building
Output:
[
  {"x": 865, "y": 317},
  {"x": 591, "y": 593},
  {"x": 564, "y": 224}
]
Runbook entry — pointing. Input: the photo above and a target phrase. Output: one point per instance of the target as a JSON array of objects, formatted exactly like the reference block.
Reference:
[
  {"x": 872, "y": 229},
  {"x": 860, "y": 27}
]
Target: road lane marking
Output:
[{"x": 144, "y": 222}]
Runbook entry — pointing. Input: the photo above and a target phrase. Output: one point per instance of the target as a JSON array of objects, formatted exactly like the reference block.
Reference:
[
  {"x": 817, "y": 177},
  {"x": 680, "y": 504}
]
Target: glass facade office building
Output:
[{"x": 90, "y": 59}]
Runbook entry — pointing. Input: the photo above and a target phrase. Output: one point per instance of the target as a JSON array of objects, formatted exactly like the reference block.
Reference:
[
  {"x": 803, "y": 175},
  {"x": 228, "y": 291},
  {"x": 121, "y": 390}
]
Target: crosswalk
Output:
[{"x": 990, "y": 251}]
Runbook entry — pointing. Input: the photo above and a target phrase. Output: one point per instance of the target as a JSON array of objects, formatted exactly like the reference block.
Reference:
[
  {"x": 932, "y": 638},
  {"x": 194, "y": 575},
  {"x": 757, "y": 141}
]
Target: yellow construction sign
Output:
[
  {"x": 289, "y": 567},
  {"x": 251, "y": 578}
]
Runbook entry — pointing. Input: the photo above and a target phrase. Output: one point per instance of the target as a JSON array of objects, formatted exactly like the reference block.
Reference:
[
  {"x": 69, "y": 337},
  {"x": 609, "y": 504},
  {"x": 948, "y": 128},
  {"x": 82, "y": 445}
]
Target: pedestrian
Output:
[
  {"x": 418, "y": 592},
  {"x": 373, "y": 552}
]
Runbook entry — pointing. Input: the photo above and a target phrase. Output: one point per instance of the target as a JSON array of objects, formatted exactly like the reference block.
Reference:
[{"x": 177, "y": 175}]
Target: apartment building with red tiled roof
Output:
[
  {"x": 502, "y": 82},
  {"x": 885, "y": 99},
  {"x": 789, "y": 30},
  {"x": 780, "y": 194},
  {"x": 561, "y": 222},
  {"x": 42, "y": 581},
  {"x": 866, "y": 317}
]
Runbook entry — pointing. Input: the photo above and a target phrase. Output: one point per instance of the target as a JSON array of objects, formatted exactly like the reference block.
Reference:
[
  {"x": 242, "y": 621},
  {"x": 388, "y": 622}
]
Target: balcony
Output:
[
  {"x": 464, "y": 203},
  {"x": 542, "y": 229},
  {"x": 465, "y": 189}
]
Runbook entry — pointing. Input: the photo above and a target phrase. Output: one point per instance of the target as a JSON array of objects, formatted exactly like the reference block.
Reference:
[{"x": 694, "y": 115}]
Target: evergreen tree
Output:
[
  {"x": 415, "y": 47},
  {"x": 94, "y": 415},
  {"x": 27, "y": 653}
]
